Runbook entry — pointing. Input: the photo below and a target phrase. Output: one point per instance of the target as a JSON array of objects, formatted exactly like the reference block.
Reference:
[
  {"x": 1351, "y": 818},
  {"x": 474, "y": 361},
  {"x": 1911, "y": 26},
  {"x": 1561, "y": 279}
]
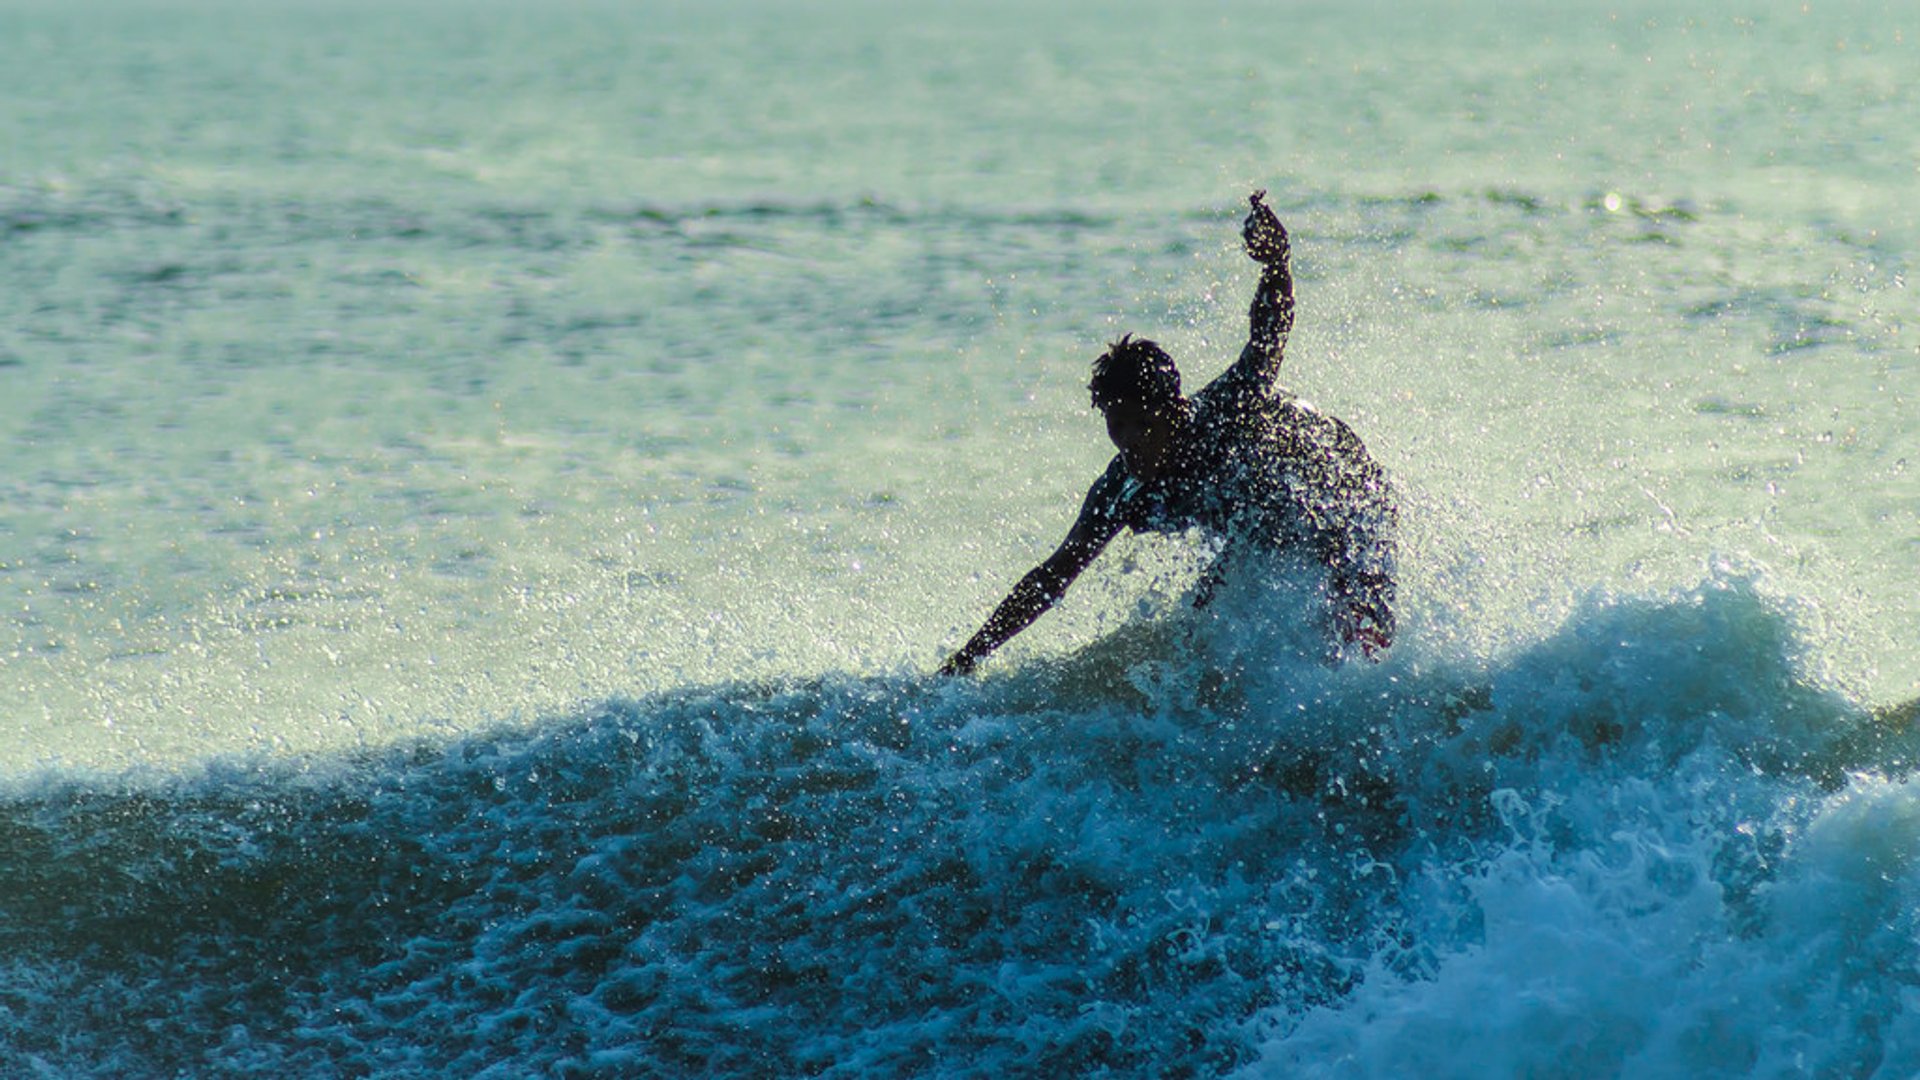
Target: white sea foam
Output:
[
  {"x": 484, "y": 488},
  {"x": 1617, "y": 851}
]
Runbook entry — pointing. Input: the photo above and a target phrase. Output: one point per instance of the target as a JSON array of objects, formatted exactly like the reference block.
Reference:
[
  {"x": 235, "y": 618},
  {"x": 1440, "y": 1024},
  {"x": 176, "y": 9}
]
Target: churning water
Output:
[{"x": 486, "y": 484}]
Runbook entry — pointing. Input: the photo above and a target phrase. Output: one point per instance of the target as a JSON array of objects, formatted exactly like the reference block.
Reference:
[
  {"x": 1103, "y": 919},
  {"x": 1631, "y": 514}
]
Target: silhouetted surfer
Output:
[{"x": 1242, "y": 460}]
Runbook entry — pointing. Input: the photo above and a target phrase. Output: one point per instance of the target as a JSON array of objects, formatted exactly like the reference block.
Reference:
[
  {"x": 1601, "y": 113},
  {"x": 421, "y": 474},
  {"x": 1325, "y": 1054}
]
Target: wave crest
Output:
[{"x": 1121, "y": 859}]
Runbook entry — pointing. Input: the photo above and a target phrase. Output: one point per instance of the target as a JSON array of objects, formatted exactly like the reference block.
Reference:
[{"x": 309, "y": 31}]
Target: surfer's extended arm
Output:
[
  {"x": 1038, "y": 590},
  {"x": 1271, "y": 317}
]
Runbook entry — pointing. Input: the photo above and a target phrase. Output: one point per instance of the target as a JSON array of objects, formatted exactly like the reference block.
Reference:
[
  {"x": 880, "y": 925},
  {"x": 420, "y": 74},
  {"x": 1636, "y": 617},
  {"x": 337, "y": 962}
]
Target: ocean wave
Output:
[{"x": 1646, "y": 844}]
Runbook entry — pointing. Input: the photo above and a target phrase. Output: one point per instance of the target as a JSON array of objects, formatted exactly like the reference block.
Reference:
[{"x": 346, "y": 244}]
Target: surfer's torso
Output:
[{"x": 1259, "y": 467}]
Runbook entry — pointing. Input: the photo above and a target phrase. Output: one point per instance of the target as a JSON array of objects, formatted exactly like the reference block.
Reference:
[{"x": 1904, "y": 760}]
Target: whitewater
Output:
[{"x": 487, "y": 485}]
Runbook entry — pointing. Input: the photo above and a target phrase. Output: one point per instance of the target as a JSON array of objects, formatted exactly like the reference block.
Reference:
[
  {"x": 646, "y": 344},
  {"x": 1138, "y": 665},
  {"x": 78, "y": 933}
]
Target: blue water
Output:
[
  {"x": 486, "y": 487},
  {"x": 1643, "y": 846}
]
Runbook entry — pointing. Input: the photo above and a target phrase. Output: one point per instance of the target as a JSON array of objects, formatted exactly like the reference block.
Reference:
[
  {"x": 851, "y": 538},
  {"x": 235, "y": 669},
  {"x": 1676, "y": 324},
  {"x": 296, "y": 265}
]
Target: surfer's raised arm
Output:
[{"x": 1270, "y": 319}]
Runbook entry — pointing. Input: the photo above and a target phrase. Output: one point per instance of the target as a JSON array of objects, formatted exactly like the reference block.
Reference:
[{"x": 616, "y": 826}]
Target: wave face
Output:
[
  {"x": 1647, "y": 845},
  {"x": 482, "y": 485}
]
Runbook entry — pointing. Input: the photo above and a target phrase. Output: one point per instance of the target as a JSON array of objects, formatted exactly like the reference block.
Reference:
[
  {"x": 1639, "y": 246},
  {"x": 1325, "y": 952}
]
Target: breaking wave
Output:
[{"x": 1649, "y": 843}]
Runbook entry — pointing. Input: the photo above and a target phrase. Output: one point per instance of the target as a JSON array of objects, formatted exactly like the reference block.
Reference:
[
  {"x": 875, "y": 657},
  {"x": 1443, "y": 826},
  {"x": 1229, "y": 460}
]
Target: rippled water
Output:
[{"x": 486, "y": 485}]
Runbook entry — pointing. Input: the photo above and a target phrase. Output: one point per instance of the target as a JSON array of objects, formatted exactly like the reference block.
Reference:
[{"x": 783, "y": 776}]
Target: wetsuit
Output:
[
  {"x": 1255, "y": 467},
  {"x": 1258, "y": 468}
]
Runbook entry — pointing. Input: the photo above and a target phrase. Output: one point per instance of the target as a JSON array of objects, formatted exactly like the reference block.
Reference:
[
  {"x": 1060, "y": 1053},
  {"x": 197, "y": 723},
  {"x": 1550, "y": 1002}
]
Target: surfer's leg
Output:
[{"x": 1209, "y": 583}]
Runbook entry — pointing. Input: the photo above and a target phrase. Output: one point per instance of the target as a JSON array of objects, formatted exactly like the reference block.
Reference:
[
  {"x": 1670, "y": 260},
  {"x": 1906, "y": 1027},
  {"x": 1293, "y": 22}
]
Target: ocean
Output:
[{"x": 487, "y": 485}]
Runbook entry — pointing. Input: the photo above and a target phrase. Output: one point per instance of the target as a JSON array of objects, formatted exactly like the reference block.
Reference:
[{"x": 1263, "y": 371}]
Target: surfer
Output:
[{"x": 1252, "y": 467}]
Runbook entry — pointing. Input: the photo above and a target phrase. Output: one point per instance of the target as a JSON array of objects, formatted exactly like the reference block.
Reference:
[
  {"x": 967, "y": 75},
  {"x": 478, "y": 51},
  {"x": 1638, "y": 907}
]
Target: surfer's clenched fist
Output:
[{"x": 1266, "y": 238}]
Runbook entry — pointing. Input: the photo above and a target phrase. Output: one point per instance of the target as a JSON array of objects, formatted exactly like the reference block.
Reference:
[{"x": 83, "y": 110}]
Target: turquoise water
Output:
[{"x": 486, "y": 485}]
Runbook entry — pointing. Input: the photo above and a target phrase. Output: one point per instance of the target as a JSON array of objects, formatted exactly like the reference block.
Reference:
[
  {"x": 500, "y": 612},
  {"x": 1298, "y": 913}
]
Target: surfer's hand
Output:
[
  {"x": 1266, "y": 238},
  {"x": 959, "y": 663}
]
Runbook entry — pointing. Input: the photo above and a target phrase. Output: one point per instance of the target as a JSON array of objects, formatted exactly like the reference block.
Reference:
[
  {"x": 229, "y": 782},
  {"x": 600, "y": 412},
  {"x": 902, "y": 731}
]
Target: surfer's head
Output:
[
  {"x": 1137, "y": 388},
  {"x": 1135, "y": 371}
]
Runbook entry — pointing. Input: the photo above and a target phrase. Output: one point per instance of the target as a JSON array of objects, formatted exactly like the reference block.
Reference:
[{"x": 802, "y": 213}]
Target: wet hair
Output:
[{"x": 1134, "y": 370}]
